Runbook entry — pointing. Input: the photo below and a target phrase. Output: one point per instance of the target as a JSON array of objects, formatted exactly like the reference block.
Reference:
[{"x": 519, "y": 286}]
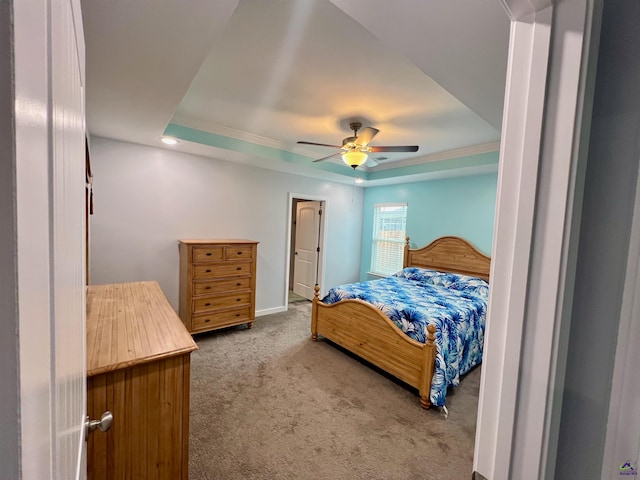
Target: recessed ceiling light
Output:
[{"x": 169, "y": 140}]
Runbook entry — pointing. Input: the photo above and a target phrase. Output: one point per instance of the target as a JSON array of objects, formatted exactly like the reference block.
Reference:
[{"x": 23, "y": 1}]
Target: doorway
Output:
[{"x": 305, "y": 259}]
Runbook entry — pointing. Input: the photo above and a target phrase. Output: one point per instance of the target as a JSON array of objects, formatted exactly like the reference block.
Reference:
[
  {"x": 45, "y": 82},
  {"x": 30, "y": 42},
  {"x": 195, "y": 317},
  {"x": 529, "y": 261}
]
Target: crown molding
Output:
[
  {"x": 241, "y": 135},
  {"x": 223, "y": 131}
]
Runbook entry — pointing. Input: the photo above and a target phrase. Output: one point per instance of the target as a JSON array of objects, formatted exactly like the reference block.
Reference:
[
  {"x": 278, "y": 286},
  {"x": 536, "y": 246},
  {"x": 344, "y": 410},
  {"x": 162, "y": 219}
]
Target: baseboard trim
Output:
[
  {"x": 269, "y": 311},
  {"x": 477, "y": 476}
]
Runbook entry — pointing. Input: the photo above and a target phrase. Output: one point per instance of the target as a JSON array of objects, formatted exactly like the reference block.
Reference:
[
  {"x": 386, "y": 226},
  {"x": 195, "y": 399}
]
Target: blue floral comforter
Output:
[{"x": 415, "y": 297}]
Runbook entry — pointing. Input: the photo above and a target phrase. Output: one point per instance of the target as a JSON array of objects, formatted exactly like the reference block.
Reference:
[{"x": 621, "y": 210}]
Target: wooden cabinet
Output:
[
  {"x": 217, "y": 283},
  {"x": 138, "y": 365}
]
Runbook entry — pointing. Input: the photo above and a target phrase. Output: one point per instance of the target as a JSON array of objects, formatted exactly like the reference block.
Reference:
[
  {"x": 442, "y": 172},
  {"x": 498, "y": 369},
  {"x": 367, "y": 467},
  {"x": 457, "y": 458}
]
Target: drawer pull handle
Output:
[
  {"x": 238, "y": 284},
  {"x": 208, "y": 271},
  {"x": 208, "y": 254},
  {"x": 239, "y": 253},
  {"x": 238, "y": 299},
  {"x": 208, "y": 287},
  {"x": 237, "y": 314},
  {"x": 207, "y": 304},
  {"x": 207, "y": 320},
  {"x": 239, "y": 268}
]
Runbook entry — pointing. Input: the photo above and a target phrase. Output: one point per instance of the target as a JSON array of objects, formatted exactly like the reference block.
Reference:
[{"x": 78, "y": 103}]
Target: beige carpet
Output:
[{"x": 269, "y": 403}]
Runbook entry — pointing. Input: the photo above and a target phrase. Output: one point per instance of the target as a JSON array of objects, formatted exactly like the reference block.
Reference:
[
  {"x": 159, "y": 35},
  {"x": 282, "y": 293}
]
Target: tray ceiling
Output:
[{"x": 244, "y": 80}]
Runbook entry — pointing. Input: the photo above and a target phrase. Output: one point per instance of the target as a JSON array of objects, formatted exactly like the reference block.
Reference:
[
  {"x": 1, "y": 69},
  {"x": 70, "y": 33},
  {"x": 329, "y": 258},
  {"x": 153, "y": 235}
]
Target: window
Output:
[{"x": 387, "y": 249}]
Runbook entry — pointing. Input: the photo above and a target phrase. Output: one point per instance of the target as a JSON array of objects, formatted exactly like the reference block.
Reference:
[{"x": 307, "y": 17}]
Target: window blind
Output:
[{"x": 389, "y": 227}]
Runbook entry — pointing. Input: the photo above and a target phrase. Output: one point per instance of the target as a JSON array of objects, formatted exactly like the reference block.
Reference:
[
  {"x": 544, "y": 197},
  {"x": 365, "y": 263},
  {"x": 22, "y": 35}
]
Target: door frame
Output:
[
  {"x": 545, "y": 133},
  {"x": 323, "y": 240}
]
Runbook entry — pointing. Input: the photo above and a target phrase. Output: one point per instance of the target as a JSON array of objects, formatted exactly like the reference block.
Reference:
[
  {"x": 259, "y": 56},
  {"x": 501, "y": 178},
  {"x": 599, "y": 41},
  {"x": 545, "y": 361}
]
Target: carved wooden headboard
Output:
[{"x": 449, "y": 254}]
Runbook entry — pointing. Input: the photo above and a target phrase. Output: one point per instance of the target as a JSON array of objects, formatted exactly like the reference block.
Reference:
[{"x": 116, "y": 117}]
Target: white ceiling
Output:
[{"x": 267, "y": 73}]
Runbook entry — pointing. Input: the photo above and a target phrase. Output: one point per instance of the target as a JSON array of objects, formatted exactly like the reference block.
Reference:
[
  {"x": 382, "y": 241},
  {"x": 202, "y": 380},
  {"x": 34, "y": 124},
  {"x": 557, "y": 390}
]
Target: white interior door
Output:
[
  {"x": 48, "y": 68},
  {"x": 68, "y": 242},
  {"x": 307, "y": 240}
]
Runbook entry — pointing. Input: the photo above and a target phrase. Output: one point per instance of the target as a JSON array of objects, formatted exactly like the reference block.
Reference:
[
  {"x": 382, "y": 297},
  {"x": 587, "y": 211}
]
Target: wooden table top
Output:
[
  {"x": 216, "y": 240},
  {"x": 129, "y": 324}
]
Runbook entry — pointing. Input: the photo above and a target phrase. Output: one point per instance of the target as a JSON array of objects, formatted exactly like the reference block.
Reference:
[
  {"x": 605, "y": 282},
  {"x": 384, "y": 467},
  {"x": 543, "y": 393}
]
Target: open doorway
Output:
[{"x": 305, "y": 257}]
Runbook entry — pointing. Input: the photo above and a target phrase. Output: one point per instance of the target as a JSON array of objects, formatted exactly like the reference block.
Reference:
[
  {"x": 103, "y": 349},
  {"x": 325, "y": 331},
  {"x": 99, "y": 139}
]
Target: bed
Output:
[{"x": 363, "y": 329}]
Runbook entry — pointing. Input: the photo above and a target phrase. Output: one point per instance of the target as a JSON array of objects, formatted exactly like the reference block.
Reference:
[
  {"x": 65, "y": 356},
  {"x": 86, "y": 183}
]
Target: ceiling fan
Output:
[{"x": 355, "y": 149}]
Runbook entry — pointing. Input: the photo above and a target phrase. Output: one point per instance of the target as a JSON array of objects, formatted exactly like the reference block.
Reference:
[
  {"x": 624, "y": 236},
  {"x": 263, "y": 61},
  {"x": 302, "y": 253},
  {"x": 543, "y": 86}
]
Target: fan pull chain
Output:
[{"x": 353, "y": 190}]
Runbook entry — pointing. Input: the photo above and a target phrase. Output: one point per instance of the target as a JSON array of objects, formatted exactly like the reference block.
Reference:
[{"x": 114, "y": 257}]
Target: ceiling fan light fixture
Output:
[
  {"x": 357, "y": 146},
  {"x": 354, "y": 158}
]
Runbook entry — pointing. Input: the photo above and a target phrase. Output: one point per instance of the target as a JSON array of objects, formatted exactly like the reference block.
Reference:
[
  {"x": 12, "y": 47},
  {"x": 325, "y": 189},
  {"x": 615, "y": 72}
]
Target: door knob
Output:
[{"x": 103, "y": 424}]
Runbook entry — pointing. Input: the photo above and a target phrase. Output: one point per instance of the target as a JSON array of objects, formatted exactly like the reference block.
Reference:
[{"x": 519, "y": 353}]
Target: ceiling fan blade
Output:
[
  {"x": 405, "y": 148},
  {"x": 319, "y": 144},
  {"x": 370, "y": 162},
  {"x": 366, "y": 135},
  {"x": 327, "y": 157}
]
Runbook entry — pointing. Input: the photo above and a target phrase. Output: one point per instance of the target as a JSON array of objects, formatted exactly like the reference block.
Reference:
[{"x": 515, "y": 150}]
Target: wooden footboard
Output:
[{"x": 366, "y": 331}]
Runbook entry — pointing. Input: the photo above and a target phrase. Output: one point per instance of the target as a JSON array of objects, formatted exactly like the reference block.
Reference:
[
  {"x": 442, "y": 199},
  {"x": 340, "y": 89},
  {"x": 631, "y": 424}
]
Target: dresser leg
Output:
[{"x": 250, "y": 325}]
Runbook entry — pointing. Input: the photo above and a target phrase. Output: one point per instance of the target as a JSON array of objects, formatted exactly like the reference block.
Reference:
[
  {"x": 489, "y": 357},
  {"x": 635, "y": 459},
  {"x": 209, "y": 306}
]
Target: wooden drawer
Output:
[
  {"x": 204, "y": 304},
  {"x": 217, "y": 286},
  {"x": 227, "y": 269},
  {"x": 210, "y": 253},
  {"x": 239, "y": 252},
  {"x": 221, "y": 319}
]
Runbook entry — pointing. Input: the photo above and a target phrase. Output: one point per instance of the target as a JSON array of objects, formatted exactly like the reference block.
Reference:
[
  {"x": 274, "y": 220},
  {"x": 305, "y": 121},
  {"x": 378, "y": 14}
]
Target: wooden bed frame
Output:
[{"x": 364, "y": 330}]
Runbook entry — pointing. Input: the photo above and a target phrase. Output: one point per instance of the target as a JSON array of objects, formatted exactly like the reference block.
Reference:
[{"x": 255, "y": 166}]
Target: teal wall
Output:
[{"x": 461, "y": 206}]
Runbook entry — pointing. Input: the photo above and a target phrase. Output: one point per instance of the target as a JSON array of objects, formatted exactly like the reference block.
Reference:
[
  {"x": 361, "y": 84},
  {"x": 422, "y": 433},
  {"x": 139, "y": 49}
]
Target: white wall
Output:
[
  {"x": 147, "y": 198},
  {"x": 610, "y": 185}
]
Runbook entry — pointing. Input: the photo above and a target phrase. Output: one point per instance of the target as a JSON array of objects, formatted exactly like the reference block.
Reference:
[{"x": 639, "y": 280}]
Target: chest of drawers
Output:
[{"x": 217, "y": 283}]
